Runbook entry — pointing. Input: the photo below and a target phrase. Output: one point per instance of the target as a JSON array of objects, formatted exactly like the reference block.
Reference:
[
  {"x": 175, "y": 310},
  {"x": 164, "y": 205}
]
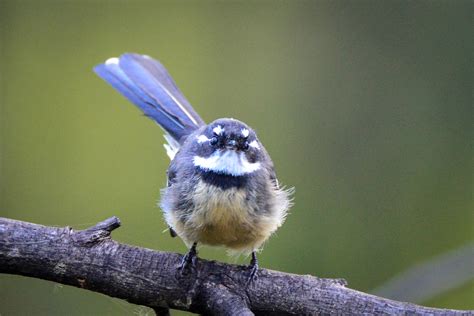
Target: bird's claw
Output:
[
  {"x": 253, "y": 267},
  {"x": 189, "y": 260}
]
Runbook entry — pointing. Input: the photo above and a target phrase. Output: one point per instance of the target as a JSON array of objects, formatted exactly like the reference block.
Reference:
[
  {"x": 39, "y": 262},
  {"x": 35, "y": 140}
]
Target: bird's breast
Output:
[{"x": 223, "y": 216}]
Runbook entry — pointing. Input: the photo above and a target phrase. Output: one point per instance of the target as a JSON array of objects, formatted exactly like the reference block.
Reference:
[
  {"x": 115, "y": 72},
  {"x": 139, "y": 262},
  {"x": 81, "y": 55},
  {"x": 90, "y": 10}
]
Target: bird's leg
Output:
[
  {"x": 189, "y": 260},
  {"x": 253, "y": 267}
]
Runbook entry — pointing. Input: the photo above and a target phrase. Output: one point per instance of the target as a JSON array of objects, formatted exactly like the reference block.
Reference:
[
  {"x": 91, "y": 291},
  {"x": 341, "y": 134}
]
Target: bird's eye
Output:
[
  {"x": 213, "y": 141},
  {"x": 245, "y": 145}
]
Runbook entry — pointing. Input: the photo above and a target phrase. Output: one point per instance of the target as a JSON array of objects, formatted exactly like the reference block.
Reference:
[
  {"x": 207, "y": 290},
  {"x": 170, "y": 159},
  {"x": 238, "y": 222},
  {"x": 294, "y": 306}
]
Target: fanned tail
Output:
[{"x": 147, "y": 84}]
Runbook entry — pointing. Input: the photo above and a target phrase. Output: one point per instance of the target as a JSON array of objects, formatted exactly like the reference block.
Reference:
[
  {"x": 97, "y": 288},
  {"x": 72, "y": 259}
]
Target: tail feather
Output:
[
  {"x": 114, "y": 76},
  {"x": 162, "y": 75},
  {"x": 147, "y": 84}
]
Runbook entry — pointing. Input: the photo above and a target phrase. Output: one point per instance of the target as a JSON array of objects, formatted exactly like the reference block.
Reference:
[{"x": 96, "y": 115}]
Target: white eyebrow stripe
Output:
[
  {"x": 245, "y": 132},
  {"x": 218, "y": 130},
  {"x": 202, "y": 138},
  {"x": 229, "y": 162},
  {"x": 254, "y": 144}
]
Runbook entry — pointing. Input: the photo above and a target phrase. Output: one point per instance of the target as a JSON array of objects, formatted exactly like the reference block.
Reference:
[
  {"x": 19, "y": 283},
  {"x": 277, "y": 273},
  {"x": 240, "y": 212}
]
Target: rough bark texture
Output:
[{"x": 91, "y": 260}]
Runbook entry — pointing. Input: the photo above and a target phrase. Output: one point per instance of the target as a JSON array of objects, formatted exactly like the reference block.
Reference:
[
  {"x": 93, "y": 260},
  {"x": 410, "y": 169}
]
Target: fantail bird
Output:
[{"x": 222, "y": 189}]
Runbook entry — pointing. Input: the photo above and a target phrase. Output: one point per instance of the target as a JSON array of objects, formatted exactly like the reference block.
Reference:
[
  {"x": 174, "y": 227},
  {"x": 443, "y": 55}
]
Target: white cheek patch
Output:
[
  {"x": 227, "y": 162},
  {"x": 245, "y": 132},
  {"x": 202, "y": 139},
  {"x": 218, "y": 130},
  {"x": 254, "y": 144}
]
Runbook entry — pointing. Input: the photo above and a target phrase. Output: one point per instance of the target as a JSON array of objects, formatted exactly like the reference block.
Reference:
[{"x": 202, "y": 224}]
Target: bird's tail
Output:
[{"x": 147, "y": 84}]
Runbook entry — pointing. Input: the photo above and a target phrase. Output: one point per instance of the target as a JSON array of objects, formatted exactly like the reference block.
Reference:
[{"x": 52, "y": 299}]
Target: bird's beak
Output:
[{"x": 231, "y": 144}]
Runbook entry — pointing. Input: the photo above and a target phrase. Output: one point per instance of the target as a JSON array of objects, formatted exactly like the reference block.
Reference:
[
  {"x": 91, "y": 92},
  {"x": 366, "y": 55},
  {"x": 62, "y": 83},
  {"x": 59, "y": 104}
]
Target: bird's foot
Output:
[
  {"x": 189, "y": 260},
  {"x": 253, "y": 267}
]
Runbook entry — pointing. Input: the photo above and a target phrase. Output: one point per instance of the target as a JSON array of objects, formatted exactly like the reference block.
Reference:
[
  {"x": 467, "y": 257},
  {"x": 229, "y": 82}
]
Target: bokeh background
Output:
[{"x": 365, "y": 107}]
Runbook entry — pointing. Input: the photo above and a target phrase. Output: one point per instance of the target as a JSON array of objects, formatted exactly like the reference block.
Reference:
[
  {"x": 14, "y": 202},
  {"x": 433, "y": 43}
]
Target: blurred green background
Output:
[{"x": 364, "y": 106}]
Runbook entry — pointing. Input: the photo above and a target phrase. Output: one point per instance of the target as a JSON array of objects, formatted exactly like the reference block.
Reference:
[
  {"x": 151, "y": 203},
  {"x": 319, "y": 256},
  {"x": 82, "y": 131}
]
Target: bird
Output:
[{"x": 222, "y": 188}]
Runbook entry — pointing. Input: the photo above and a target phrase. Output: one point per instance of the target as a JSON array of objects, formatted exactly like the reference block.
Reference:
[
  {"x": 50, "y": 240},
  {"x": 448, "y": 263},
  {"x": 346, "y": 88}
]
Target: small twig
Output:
[
  {"x": 161, "y": 311},
  {"x": 91, "y": 260},
  {"x": 428, "y": 279}
]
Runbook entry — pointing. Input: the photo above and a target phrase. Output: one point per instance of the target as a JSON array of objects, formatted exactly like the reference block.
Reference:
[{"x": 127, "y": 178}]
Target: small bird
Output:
[{"x": 222, "y": 189}]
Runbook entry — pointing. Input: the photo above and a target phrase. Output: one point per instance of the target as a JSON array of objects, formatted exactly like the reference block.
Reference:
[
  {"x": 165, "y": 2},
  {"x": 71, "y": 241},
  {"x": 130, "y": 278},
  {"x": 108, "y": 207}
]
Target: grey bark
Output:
[{"x": 91, "y": 260}]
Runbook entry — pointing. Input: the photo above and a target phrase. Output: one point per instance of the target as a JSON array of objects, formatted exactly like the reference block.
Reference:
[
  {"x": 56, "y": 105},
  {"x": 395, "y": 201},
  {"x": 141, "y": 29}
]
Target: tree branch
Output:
[{"x": 91, "y": 260}]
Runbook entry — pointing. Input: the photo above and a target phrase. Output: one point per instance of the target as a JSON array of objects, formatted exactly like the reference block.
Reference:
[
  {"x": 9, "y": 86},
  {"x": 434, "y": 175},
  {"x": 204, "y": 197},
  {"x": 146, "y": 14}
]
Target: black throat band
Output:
[{"x": 223, "y": 181}]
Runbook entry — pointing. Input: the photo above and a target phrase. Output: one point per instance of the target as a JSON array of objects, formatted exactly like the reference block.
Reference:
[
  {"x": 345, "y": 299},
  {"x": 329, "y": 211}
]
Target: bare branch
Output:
[{"x": 91, "y": 260}]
